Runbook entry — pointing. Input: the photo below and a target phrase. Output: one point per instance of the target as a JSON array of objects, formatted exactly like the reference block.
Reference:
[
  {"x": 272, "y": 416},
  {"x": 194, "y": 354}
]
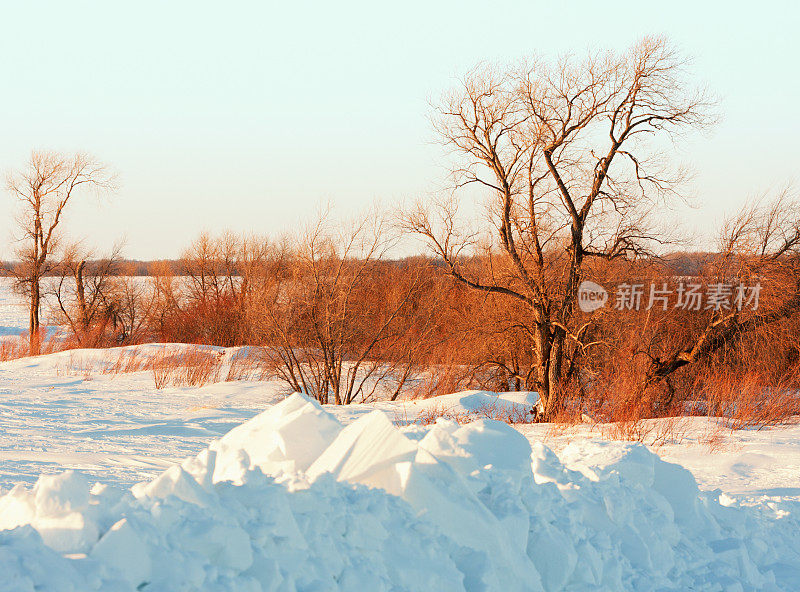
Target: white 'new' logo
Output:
[{"x": 591, "y": 296}]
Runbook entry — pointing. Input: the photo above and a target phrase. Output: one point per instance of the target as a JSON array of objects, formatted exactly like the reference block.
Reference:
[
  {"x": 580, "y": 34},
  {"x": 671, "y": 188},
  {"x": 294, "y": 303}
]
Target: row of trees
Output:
[
  {"x": 571, "y": 158},
  {"x": 331, "y": 316}
]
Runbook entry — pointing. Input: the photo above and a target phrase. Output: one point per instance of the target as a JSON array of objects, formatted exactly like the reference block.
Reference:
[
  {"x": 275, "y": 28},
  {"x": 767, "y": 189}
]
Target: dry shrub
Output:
[
  {"x": 345, "y": 323},
  {"x": 494, "y": 411},
  {"x": 622, "y": 406},
  {"x": 191, "y": 367},
  {"x": 714, "y": 439},
  {"x": 247, "y": 364},
  {"x": 126, "y": 361},
  {"x": 429, "y": 415},
  {"x": 12, "y": 348},
  {"x": 616, "y": 394},
  {"x": 15, "y": 347},
  {"x": 440, "y": 379},
  {"x": 77, "y": 366},
  {"x": 669, "y": 430},
  {"x": 114, "y": 362},
  {"x": 748, "y": 398},
  {"x": 217, "y": 321},
  {"x": 194, "y": 366},
  {"x": 511, "y": 415},
  {"x": 215, "y": 292},
  {"x": 634, "y": 430},
  {"x": 561, "y": 429},
  {"x": 652, "y": 432}
]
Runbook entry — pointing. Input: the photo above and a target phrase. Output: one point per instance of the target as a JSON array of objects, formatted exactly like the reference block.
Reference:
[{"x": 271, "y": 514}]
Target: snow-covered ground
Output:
[
  {"x": 61, "y": 411},
  {"x": 239, "y": 486}
]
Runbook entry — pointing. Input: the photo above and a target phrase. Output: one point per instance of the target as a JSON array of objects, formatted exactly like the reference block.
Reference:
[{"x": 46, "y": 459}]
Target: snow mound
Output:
[{"x": 293, "y": 501}]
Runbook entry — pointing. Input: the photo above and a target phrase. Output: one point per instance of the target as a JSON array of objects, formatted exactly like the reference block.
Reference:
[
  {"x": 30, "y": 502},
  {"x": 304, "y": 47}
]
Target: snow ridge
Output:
[{"x": 291, "y": 500}]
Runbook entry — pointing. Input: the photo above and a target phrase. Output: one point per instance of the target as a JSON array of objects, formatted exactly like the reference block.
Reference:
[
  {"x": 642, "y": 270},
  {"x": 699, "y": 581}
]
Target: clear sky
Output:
[{"x": 250, "y": 115}]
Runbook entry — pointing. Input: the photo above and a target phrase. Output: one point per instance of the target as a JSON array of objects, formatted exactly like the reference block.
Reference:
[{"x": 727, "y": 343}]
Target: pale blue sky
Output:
[{"x": 248, "y": 116}]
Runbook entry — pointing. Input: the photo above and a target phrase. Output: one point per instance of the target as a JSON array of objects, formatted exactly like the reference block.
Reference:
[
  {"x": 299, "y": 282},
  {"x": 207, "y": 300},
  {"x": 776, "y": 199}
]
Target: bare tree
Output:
[
  {"x": 570, "y": 154},
  {"x": 88, "y": 298},
  {"x": 43, "y": 189}
]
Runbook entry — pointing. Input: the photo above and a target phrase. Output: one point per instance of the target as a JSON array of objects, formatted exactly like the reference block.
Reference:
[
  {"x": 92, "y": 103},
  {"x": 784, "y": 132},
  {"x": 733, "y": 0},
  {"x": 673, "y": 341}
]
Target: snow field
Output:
[{"x": 295, "y": 500}]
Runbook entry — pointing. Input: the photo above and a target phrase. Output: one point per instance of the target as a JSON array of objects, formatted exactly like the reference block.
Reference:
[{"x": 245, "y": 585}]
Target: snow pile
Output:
[{"x": 293, "y": 501}]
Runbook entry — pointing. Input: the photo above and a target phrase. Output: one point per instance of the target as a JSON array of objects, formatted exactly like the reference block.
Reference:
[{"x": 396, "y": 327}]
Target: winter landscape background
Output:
[
  {"x": 133, "y": 487},
  {"x": 416, "y": 297}
]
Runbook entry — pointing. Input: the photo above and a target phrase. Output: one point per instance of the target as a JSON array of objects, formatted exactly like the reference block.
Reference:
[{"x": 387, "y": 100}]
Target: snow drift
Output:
[{"x": 292, "y": 500}]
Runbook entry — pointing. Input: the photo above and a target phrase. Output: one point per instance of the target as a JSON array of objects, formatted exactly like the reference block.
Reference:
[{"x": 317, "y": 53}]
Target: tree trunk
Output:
[
  {"x": 35, "y": 346},
  {"x": 80, "y": 291},
  {"x": 541, "y": 363},
  {"x": 554, "y": 402}
]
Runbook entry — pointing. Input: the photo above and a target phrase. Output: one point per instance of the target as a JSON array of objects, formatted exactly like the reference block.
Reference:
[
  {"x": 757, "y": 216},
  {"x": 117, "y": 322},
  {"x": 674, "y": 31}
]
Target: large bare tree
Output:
[
  {"x": 572, "y": 156},
  {"x": 43, "y": 188}
]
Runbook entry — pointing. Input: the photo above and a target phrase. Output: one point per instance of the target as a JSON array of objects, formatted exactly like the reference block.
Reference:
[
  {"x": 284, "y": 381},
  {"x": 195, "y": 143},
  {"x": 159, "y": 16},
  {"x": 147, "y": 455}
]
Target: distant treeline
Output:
[
  {"x": 124, "y": 267},
  {"x": 681, "y": 263}
]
